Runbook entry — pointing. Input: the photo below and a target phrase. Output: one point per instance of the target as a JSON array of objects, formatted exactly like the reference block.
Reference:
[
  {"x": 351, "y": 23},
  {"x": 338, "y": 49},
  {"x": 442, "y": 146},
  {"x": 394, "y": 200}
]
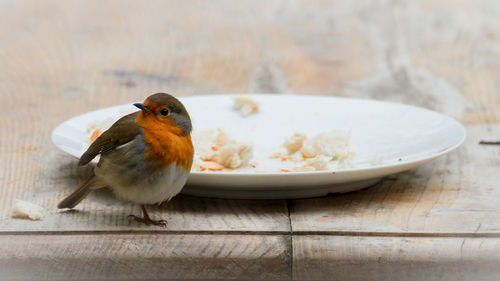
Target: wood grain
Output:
[
  {"x": 143, "y": 257},
  {"x": 61, "y": 59},
  {"x": 457, "y": 193},
  {"x": 101, "y": 211},
  {"x": 387, "y": 258}
]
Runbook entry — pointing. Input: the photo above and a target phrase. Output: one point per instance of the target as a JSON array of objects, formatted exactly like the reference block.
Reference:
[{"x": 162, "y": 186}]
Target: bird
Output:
[{"x": 145, "y": 156}]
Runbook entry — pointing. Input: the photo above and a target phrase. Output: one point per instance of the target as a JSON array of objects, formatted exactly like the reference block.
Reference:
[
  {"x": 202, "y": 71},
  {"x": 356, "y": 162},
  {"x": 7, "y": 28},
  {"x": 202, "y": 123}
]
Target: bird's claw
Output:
[{"x": 149, "y": 221}]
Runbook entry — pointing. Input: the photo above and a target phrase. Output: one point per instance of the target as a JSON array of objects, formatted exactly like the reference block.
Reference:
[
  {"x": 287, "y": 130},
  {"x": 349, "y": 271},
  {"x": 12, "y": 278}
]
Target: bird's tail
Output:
[{"x": 79, "y": 194}]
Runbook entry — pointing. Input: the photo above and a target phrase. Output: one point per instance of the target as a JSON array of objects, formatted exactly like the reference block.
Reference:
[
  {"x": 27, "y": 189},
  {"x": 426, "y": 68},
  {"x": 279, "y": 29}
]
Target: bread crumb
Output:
[
  {"x": 222, "y": 138},
  {"x": 297, "y": 157},
  {"x": 317, "y": 153},
  {"x": 294, "y": 143},
  {"x": 245, "y": 106},
  {"x": 377, "y": 159},
  {"x": 97, "y": 127},
  {"x": 275, "y": 155},
  {"x": 221, "y": 149},
  {"x": 26, "y": 210},
  {"x": 235, "y": 155},
  {"x": 319, "y": 163},
  {"x": 211, "y": 166},
  {"x": 284, "y": 158},
  {"x": 203, "y": 142},
  {"x": 95, "y": 135},
  {"x": 333, "y": 144},
  {"x": 345, "y": 160}
]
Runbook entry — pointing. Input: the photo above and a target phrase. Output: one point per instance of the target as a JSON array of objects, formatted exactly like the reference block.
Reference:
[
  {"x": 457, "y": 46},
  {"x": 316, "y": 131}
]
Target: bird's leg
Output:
[{"x": 147, "y": 220}]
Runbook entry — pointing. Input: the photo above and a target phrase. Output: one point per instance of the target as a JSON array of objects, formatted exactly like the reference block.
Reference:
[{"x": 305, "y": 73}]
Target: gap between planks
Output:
[{"x": 239, "y": 232}]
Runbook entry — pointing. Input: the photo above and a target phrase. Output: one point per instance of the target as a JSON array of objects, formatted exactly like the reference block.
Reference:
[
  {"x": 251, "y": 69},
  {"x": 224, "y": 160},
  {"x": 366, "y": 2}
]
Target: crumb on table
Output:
[{"x": 27, "y": 210}]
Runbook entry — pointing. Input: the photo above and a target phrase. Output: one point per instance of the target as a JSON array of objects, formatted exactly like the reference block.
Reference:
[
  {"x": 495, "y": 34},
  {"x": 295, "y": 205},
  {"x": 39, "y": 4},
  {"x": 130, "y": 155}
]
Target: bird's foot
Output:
[{"x": 149, "y": 221}]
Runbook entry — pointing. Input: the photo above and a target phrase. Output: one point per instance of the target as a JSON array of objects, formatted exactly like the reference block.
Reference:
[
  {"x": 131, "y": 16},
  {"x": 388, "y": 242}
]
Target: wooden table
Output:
[{"x": 440, "y": 221}]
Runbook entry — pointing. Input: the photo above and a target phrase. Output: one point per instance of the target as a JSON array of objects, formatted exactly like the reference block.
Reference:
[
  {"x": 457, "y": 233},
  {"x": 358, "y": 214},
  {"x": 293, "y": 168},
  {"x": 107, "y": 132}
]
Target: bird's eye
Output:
[{"x": 164, "y": 112}]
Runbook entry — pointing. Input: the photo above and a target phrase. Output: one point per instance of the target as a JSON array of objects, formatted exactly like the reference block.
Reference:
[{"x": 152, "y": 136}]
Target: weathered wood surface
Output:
[
  {"x": 347, "y": 258},
  {"x": 144, "y": 257},
  {"x": 60, "y": 59},
  {"x": 455, "y": 194}
]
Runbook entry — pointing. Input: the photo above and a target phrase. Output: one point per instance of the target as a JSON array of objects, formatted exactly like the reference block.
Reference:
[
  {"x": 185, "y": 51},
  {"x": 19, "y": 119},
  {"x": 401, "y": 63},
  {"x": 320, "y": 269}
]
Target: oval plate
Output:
[{"x": 406, "y": 136}]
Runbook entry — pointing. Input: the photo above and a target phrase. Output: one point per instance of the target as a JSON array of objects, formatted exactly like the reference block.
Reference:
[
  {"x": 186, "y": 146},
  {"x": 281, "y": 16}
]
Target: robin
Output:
[{"x": 145, "y": 157}]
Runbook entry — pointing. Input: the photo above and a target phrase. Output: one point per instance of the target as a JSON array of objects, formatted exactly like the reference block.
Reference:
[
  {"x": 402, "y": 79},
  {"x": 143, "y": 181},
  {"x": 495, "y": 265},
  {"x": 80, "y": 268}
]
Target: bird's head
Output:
[{"x": 164, "y": 112}]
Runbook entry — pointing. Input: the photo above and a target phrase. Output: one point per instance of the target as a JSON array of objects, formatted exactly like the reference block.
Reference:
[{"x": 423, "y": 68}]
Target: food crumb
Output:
[
  {"x": 220, "y": 149},
  {"x": 317, "y": 153},
  {"x": 211, "y": 166},
  {"x": 333, "y": 144},
  {"x": 345, "y": 160},
  {"x": 26, "y": 210},
  {"x": 275, "y": 155},
  {"x": 235, "y": 155},
  {"x": 98, "y": 127},
  {"x": 319, "y": 163},
  {"x": 245, "y": 106},
  {"x": 95, "y": 135},
  {"x": 294, "y": 143},
  {"x": 285, "y": 158}
]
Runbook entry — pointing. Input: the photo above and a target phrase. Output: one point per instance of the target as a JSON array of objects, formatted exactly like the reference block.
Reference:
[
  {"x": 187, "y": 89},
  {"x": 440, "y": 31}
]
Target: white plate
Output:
[{"x": 406, "y": 136}]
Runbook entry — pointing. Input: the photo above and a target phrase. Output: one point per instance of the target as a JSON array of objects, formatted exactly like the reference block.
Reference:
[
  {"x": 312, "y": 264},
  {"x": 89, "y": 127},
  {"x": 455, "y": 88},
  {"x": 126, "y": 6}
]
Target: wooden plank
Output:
[
  {"x": 102, "y": 211},
  {"x": 387, "y": 258},
  {"x": 457, "y": 193},
  {"x": 144, "y": 257}
]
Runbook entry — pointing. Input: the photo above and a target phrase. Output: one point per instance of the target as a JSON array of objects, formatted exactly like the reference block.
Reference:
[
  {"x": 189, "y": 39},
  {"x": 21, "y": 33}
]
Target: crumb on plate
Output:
[
  {"x": 235, "y": 155},
  {"x": 245, "y": 106},
  {"x": 97, "y": 127},
  {"x": 294, "y": 143},
  {"x": 317, "y": 153},
  {"x": 211, "y": 166},
  {"x": 220, "y": 149},
  {"x": 275, "y": 155},
  {"x": 95, "y": 135},
  {"x": 345, "y": 160},
  {"x": 319, "y": 163},
  {"x": 333, "y": 144}
]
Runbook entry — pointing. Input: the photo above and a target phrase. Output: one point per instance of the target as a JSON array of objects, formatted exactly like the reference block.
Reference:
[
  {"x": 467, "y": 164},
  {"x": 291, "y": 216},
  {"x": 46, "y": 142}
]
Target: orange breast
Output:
[{"x": 167, "y": 148}]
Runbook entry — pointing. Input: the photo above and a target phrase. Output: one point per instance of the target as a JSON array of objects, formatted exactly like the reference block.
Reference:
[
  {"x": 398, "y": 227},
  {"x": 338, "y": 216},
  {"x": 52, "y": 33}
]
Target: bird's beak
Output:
[{"x": 142, "y": 107}]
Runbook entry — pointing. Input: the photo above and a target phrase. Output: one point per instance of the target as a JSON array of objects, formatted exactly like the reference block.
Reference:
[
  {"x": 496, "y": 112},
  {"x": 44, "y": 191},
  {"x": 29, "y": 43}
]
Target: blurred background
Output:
[{"x": 435, "y": 54}]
